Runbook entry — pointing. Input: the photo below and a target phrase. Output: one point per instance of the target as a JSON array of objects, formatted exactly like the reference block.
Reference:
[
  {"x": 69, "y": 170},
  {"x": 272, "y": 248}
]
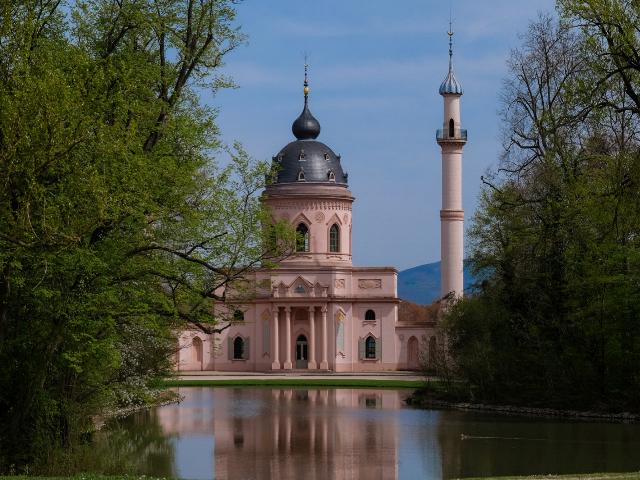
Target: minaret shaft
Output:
[{"x": 451, "y": 222}]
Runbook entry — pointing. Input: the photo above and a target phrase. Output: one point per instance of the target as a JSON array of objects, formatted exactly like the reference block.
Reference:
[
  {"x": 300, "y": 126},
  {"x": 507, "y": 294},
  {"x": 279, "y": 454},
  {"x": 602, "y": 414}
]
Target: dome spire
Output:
[
  {"x": 306, "y": 81},
  {"x": 450, "y": 85},
  {"x": 306, "y": 127}
]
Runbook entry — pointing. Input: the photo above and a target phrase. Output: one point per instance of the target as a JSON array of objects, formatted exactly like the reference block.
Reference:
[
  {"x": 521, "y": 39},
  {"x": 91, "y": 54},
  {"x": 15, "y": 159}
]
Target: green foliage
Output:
[
  {"x": 116, "y": 224},
  {"x": 557, "y": 234}
]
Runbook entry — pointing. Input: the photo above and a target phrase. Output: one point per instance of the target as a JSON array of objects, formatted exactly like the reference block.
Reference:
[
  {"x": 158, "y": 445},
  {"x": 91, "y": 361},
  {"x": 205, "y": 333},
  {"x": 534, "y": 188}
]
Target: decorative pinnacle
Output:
[
  {"x": 450, "y": 85},
  {"x": 306, "y": 79},
  {"x": 450, "y": 33}
]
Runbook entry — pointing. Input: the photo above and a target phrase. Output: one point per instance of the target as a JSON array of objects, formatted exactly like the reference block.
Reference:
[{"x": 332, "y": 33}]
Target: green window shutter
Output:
[
  {"x": 230, "y": 348},
  {"x": 361, "y": 348},
  {"x": 246, "y": 349},
  {"x": 378, "y": 348}
]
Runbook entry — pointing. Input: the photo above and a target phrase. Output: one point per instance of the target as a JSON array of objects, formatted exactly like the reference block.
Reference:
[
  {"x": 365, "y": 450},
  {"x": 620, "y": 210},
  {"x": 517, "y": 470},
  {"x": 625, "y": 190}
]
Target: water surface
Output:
[{"x": 289, "y": 433}]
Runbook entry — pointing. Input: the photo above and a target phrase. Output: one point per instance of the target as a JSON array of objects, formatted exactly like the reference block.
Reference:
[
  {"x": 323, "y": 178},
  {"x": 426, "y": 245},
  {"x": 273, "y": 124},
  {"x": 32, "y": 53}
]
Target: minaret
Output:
[{"x": 451, "y": 139}]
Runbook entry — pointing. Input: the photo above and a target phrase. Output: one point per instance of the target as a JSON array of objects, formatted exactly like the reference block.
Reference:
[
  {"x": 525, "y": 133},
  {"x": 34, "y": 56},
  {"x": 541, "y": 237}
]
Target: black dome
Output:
[{"x": 308, "y": 161}]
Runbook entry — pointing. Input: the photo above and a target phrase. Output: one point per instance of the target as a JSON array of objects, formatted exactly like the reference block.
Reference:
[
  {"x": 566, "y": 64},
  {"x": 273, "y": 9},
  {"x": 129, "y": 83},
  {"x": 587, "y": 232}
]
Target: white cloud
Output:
[
  {"x": 365, "y": 27},
  {"x": 395, "y": 74}
]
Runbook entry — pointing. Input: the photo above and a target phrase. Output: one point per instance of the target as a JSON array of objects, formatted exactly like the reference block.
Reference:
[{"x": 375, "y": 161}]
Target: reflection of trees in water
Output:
[
  {"x": 477, "y": 445},
  {"x": 132, "y": 445},
  {"x": 448, "y": 439}
]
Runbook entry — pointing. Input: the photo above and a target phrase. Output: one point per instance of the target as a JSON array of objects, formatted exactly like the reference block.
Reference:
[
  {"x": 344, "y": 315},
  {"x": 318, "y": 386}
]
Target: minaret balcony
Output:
[{"x": 459, "y": 135}]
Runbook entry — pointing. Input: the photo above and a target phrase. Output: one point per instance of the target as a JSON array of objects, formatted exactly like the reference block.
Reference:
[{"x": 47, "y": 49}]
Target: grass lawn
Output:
[
  {"x": 582, "y": 476},
  {"x": 83, "y": 476},
  {"x": 297, "y": 382}
]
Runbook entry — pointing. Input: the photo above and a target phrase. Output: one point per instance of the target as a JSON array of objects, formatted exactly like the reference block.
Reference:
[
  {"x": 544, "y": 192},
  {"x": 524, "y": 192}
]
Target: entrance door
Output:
[{"x": 302, "y": 352}]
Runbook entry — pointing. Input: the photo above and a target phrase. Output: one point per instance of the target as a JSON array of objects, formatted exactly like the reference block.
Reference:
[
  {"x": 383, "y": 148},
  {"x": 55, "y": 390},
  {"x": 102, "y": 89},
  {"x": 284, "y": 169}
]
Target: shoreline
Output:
[
  {"x": 417, "y": 400},
  {"x": 296, "y": 382},
  {"x": 522, "y": 411},
  {"x": 100, "y": 420}
]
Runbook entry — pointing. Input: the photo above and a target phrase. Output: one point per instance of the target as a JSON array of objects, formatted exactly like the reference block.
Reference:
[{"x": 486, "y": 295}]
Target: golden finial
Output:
[{"x": 306, "y": 80}]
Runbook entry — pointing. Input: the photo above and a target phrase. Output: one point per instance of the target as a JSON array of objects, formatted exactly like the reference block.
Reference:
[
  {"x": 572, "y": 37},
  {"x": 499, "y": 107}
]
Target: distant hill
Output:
[{"x": 422, "y": 284}]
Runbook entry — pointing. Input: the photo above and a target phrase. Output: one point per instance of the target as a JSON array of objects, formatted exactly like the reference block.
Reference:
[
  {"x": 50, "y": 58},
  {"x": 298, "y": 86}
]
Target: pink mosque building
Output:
[{"x": 321, "y": 312}]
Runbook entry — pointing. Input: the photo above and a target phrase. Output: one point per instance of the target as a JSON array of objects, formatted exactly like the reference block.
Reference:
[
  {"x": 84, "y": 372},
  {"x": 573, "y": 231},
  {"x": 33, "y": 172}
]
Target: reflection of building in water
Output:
[
  {"x": 352, "y": 434},
  {"x": 293, "y": 433}
]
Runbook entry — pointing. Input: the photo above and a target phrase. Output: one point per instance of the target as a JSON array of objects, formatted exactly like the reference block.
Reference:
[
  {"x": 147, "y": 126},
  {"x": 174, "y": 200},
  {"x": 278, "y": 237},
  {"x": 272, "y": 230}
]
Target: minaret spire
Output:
[
  {"x": 450, "y": 85},
  {"x": 450, "y": 33}
]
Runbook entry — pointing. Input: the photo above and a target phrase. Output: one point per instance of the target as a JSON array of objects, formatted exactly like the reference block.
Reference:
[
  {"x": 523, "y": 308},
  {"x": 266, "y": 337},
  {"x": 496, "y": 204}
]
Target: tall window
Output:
[
  {"x": 370, "y": 315},
  {"x": 334, "y": 238},
  {"x": 302, "y": 242},
  {"x": 370, "y": 348},
  {"x": 451, "y": 128},
  {"x": 238, "y": 348},
  {"x": 197, "y": 351}
]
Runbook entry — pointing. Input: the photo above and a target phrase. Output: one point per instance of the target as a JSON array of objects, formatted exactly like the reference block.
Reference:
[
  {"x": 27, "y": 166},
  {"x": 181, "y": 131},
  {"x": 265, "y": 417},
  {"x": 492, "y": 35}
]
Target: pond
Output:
[{"x": 300, "y": 433}]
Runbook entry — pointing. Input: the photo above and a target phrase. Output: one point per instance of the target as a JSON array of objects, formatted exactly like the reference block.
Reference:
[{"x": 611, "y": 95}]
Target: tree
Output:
[
  {"x": 610, "y": 30},
  {"x": 556, "y": 233},
  {"x": 117, "y": 226}
]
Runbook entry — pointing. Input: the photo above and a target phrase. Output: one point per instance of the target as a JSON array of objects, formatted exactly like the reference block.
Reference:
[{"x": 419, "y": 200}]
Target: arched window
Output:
[
  {"x": 370, "y": 315},
  {"x": 334, "y": 238},
  {"x": 331, "y": 176},
  {"x": 197, "y": 352},
  {"x": 238, "y": 348},
  {"x": 370, "y": 348},
  {"x": 451, "y": 128},
  {"x": 238, "y": 316},
  {"x": 301, "y": 176},
  {"x": 302, "y": 242}
]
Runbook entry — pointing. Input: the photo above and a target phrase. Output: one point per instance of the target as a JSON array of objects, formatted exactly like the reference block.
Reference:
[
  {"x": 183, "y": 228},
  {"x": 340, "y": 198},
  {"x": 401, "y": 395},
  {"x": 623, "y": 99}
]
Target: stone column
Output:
[
  {"x": 312, "y": 339},
  {"x": 287, "y": 350},
  {"x": 275, "y": 365},
  {"x": 324, "y": 364}
]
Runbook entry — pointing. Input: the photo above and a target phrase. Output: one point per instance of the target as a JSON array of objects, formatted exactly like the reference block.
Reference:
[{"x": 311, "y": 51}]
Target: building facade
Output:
[{"x": 319, "y": 311}]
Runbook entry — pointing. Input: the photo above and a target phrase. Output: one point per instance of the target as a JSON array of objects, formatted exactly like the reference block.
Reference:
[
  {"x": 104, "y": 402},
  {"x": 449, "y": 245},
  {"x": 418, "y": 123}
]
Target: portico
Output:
[{"x": 302, "y": 326}]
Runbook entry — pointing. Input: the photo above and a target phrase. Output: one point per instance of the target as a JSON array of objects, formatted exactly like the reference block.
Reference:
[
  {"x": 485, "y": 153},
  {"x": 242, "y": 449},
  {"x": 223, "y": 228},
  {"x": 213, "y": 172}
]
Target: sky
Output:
[{"x": 375, "y": 69}]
